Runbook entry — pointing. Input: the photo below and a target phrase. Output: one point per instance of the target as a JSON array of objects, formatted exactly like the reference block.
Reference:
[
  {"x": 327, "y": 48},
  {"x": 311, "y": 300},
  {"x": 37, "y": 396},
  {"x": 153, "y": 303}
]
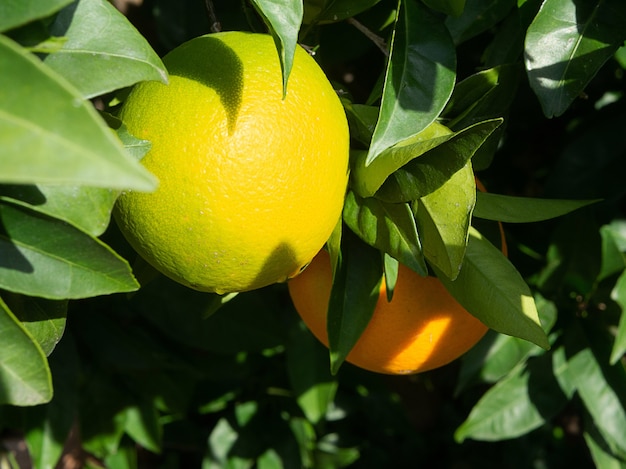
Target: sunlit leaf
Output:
[
  {"x": 443, "y": 218},
  {"x": 492, "y": 289},
  {"x": 389, "y": 227},
  {"x": 18, "y": 12},
  {"x": 619, "y": 295},
  {"x": 283, "y": 17},
  {"x": 42, "y": 256},
  {"x": 420, "y": 77},
  {"x": 52, "y": 135},
  {"x": 24, "y": 370},
  {"x": 103, "y": 51},
  {"x": 566, "y": 45}
]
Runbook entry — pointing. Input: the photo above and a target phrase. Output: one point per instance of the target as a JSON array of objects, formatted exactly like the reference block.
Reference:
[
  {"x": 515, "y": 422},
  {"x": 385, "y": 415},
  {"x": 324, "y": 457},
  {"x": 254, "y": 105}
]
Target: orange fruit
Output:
[
  {"x": 251, "y": 184},
  {"x": 422, "y": 328}
]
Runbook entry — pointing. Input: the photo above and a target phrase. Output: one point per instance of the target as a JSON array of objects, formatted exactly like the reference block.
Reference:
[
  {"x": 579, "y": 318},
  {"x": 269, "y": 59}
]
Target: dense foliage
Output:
[{"x": 527, "y": 95}]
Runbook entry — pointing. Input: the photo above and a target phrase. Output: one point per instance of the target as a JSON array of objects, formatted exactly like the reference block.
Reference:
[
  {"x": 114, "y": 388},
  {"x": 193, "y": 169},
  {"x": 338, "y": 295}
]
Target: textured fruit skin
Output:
[
  {"x": 422, "y": 328},
  {"x": 251, "y": 185}
]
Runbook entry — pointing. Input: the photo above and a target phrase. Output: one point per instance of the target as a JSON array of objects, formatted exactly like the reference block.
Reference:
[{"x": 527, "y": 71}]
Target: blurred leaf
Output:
[
  {"x": 602, "y": 452},
  {"x": 429, "y": 172},
  {"x": 420, "y": 77},
  {"x": 492, "y": 289},
  {"x": 53, "y": 135},
  {"x": 510, "y": 209},
  {"x": 566, "y": 45},
  {"x": 270, "y": 459},
  {"x": 443, "y": 218},
  {"x": 304, "y": 433},
  {"x": 515, "y": 405},
  {"x": 330, "y": 11},
  {"x": 47, "y": 427},
  {"x": 45, "y": 257},
  {"x": 18, "y": 12},
  {"x": 478, "y": 16},
  {"x": 447, "y": 7},
  {"x": 103, "y": 51},
  {"x": 619, "y": 296},
  {"x": 613, "y": 249},
  {"x": 283, "y": 18},
  {"x": 221, "y": 440},
  {"x": 24, "y": 373},
  {"x": 389, "y": 227},
  {"x": 353, "y": 297},
  {"x": 601, "y": 387},
  {"x": 311, "y": 381},
  {"x": 43, "y": 319},
  {"x": 143, "y": 426}
]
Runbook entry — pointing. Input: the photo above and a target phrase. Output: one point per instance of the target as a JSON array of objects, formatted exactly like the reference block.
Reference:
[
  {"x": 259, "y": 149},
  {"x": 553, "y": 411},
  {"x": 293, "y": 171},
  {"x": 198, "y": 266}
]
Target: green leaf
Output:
[
  {"x": 103, "y": 51},
  {"x": 613, "y": 249},
  {"x": 24, "y": 371},
  {"x": 43, "y": 319},
  {"x": 283, "y": 18},
  {"x": 447, "y": 7},
  {"x": 366, "y": 179},
  {"x": 389, "y": 227},
  {"x": 601, "y": 454},
  {"x": 566, "y": 45},
  {"x": 15, "y": 13},
  {"x": 419, "y": 79},
  {"x": 443, "y": 219},
  {"x": 516, "y": 405},
  {"x": 309, "y": 375},
  {"x": 477, "y": 17},
  {"x": 331, "y": 11},
  {"x": 619, "y": 296},
  {"x": 353, "y": 297},
  {"x": 361, "y": 119},
  {"x": 492, "y": 289},
  {"x": 429, "y": 172},
  {"x": 512, "y": 209},
  {"x": 54, "y": 136},
  {"x": 601, "y": 387},
  {"x": 87, "y": 208},
  {"x": 45, "y": 257}
]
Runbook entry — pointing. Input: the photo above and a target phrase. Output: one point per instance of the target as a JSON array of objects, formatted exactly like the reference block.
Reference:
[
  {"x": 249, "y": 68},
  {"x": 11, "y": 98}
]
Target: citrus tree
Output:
[{"x": 106, "y": 361}]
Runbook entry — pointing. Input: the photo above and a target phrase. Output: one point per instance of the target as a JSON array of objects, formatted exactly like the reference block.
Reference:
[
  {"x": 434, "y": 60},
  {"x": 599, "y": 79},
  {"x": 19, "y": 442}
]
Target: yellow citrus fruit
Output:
[
  {"x": 251, "y": 184},
  {"x": 422, "y": 328}
]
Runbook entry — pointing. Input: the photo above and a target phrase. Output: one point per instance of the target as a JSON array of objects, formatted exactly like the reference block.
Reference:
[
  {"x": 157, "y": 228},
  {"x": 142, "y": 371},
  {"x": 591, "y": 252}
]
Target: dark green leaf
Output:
[
  {"x": 429, "y": 172},
  {"x": 389, "y": 227},
  {"x": 492, "y": 289},
  {"x": 443, "y": 218},
  {"x": 477, "y": 17},
  {"x": 24, "y": 373},
  {"x": 517, "y": 404},
  {"x": 362, "y": 120},
  {"x": 566, "y": 45},
  {"x": 18, "y": 12},
  {"x": 511, "y": 209},
  {"x": 45, "y": 257},
  {"x": 330, "y": 11},
  {"x": 448, "y": 7},
  {"x": 420, "y": 77},
  {"x": 103, "y": 51},
  {"x": 143, "y": 426},
  {"x": 353, "y": 297},
  {"x": 43, "y": 319},
  {"x": 283, "y": 17},
  {"x": 54, "y": 136}
]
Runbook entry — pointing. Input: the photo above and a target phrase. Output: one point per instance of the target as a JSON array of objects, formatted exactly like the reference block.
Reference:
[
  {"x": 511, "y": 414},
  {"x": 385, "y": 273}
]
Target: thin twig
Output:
[
  {"x": 216, "y": 26},
  {"x": 377, "y": 40}
]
